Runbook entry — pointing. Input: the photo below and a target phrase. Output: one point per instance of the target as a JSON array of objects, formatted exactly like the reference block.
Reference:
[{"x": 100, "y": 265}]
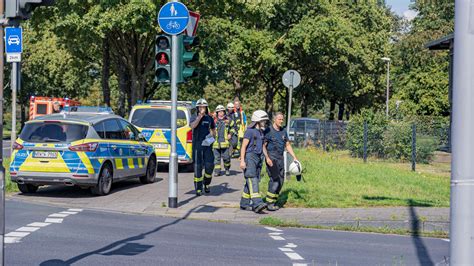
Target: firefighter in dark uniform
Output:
[
  {"x": 276, "y": 141},
  {"x": 251, "y": 162},
  {"x": 221, "y": 145},
  {"x": 203, "y": 128}
]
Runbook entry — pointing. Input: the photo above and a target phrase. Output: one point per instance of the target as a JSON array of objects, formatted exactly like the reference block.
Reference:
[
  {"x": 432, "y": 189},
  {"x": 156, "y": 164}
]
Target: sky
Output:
[{"x": 401, "y": 8}]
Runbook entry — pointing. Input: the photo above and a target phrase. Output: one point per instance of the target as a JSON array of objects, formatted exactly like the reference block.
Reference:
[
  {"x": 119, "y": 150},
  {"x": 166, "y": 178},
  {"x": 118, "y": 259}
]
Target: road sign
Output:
[
  {"x": 13, "y": 44},
  {"x": 191, "y": 29},
  {"x": 173, "y": 18},
  {"x": 292, "y": 79}
]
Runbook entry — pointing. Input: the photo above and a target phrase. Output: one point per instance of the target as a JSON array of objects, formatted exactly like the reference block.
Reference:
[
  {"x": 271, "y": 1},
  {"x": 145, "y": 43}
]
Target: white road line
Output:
[
  {"x": 53, "y": 220},
  {"x": 300, "y": 264},
  {"x": 58, "y": 215},
  {"x": 286, "y": 249},
  {"x": 75, "y": 210},
  {"x": 291, "y": 245},
  {"x": 447, "y": 240},
  {"x": 11, "y": 240},
  {"x": 39, "y": 224},
  {"x": 18, "y": 234},
  {"x": 27, "y": 229},
  {"x": 273, "y": 229},
  {"x": 68, "y": 212},
  {"x": 275, "y": 234},
  {"x": 294, "y": 256},
  {"x": 277, "y": 238}
]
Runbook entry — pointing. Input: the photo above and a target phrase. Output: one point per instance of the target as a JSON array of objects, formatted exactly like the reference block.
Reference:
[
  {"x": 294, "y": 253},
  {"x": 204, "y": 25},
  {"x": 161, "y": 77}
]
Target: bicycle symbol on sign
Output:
[{"x": 172, "y": 25}]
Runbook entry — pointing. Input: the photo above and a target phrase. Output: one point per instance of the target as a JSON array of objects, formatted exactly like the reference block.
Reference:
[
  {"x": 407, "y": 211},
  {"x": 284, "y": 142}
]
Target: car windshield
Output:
[
  {"x": 157, "y": 118},
  {"x": 53, "y": 132}
]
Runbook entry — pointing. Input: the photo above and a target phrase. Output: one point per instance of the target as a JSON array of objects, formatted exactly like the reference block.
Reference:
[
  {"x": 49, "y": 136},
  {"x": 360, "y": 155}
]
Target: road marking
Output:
[
  {"x": 294, "y": 256},
  {"x": 277, "y": 238},
  {"x": 68, "y": 212},
  {"x": 27, "y": 229},
  {"x": 75, "y": 210},
  {"x": 39, "y": 224},
  {"x": 58, "y": 215},
  {"x": 273, "y": 229},
  {"x": 11, "y": 240},
  {"x": 291, "y": 245},
  {"x": 447, "y": 240},
  {"x": 54, "y": 220},
  {"x": 286, "y": 249},
  {"x": 18, "y": 234},
  {"x": 300, "y": 264},
  {"x": 275, "y": 234}
]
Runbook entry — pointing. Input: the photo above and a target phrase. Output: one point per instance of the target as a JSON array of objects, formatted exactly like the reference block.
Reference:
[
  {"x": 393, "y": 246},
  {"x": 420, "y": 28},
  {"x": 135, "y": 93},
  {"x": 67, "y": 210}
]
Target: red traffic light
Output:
[{"x": 162, "y": 59}]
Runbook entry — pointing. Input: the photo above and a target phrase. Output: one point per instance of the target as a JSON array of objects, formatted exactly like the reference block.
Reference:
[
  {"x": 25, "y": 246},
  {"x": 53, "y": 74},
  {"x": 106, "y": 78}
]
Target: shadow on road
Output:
[
  {"x": 124, "y": 247},
  {"x": 77, "y": 192},
  {"x": 410, "y": 202}
]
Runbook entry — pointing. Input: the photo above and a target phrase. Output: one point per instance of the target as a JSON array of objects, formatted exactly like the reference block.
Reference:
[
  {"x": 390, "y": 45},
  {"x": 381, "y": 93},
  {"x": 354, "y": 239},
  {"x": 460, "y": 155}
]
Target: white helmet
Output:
[
  {"x": 220, "y": 108},
  {"x": 259, "y": 115},
  {"x": 295, "y": 168},
  {"x": 201, "y": 102},
  {"x": 230, "y": 106}
]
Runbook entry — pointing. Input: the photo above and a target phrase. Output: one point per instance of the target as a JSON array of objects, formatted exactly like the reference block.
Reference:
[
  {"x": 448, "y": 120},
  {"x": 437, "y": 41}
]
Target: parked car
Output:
[
  {"x": 153, "y": 119},
  {"x": 299, "y": 126},
  {"x": 90, "y": 150}
]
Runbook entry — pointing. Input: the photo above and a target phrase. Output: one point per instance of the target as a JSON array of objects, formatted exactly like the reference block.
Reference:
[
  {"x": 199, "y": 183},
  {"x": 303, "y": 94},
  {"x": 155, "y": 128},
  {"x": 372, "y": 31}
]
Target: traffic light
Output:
[
  {"x": 163, "y": 59},
  {"x": 187, "y": 57},
  {"x": 22, "y": 9}
]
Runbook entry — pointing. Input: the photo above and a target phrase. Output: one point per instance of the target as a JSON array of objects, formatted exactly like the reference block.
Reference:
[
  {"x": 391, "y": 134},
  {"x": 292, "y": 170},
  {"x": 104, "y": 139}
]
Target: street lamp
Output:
[{"x": 386, "y": 59}]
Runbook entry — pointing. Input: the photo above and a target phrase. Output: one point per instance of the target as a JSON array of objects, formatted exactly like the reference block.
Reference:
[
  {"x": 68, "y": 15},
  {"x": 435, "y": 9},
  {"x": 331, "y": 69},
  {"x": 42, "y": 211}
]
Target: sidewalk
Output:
[{"x": 222, "y": 204}]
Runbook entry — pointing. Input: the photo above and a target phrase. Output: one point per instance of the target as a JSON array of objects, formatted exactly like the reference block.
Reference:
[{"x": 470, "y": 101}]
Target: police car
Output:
[
  {"x": 86, "y": 149},
  {"x": 153, "y": 119}
]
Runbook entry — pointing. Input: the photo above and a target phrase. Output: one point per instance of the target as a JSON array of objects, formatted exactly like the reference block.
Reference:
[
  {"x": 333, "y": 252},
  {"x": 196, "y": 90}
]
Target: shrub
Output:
[{"x": 376, "y": 125}]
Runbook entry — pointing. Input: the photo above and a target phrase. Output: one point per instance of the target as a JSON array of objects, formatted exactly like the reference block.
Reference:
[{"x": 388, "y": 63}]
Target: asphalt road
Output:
[{"x": 45, "y": 235}]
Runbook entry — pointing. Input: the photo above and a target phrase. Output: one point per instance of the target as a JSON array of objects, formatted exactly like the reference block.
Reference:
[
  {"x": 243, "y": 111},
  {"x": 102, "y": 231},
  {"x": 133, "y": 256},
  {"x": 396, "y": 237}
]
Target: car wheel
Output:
[
  {"x": 104, "y": 184},
  {"x": 27, "y": 188},
  {"x": 150, "y": 175}
]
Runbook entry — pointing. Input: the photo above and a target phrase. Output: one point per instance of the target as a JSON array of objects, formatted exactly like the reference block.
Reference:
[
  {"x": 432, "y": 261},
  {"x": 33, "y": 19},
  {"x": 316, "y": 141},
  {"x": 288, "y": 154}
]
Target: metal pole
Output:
[
  {"x": 388, "y": 86},
  {"x": 413, "y": 147},
  {"x": 14, "y": 87},
  {"x": 173, "y": 165},
  {"x": 290, "y": 98},
  {"x": 462, "y": 173},
  {"x": 364, "y": 154},
  {"x": 2, "y": 170}
]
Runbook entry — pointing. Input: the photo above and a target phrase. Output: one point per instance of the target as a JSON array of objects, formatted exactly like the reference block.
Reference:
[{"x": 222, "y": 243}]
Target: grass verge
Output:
[
  {"x": 272, "y": 221},
  {"x": 335, "y": 180},
  {"x": 9, "y": 185}
]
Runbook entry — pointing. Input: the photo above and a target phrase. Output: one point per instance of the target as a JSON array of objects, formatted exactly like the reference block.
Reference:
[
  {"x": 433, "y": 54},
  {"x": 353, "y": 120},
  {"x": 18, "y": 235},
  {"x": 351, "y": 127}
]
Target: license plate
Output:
[
  {"x": 161, "y": 146},
  {"x": 45, "y": 154}
]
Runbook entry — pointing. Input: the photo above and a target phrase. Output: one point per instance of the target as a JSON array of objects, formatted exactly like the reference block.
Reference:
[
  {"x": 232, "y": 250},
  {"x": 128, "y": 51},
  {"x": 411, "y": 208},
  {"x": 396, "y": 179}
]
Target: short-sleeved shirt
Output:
[
  {"x": 203, "y": 129},
  {"x": 255, "y": 137},
  {"x": 276, "y": 141}
]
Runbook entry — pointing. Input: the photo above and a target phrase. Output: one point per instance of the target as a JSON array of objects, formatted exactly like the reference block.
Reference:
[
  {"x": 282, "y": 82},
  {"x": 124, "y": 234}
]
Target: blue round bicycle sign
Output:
[{"x": 173, "y": 18}]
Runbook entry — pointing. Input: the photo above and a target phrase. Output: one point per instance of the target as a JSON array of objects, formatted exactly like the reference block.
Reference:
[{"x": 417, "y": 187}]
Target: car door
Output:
[
  {"x": 137, "y": 152},
  {"x": 118, "y": 148}
]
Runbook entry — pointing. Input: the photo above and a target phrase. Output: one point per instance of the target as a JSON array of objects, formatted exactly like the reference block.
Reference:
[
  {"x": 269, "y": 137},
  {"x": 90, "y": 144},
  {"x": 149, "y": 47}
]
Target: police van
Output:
[
  {"x": 153, "y": 119},
  {"x": 87, "y": 148}
]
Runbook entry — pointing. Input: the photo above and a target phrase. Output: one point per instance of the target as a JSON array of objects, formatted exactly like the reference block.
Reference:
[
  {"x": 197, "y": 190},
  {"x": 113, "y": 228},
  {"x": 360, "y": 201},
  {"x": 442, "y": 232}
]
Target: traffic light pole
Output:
[
  {"x": 173, "y": 165},
  {"x": 462, "y": 173}
]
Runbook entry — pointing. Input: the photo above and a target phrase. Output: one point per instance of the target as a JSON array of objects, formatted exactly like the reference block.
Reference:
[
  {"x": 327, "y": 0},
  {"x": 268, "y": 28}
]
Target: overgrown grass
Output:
[
  {"x": 272, "y": 221},
  {"x": 9, "y": 186},
  {"x": 336, "y": 180}
]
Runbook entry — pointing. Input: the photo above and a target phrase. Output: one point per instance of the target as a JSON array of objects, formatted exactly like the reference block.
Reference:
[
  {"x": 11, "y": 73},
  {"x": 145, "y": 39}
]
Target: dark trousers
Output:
[
  {"x": 251, "y": 192},
  {"x": 221, "y": 154},
  {"x": 276, "y": 174},
  {"x": 203, "y": 159}
]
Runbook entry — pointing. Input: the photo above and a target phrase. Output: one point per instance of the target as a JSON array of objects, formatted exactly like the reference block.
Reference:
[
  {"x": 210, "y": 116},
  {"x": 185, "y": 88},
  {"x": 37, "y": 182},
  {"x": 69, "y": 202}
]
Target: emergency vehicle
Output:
[
  {"x": 40, "y": 106},
  {"x": 153, "y": 119}
]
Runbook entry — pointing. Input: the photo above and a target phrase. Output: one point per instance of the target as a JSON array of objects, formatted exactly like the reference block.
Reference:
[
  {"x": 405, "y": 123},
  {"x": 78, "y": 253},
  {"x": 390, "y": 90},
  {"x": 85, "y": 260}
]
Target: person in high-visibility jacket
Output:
[
  {"x": 222, "y": 144},
  {"x": 233, "y": 128},
  {"x": 241, "y": 120}
]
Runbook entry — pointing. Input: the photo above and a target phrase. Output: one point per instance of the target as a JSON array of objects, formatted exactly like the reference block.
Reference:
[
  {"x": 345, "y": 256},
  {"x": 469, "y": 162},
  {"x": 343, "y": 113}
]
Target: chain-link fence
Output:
[{"x": 412, "y": 140}]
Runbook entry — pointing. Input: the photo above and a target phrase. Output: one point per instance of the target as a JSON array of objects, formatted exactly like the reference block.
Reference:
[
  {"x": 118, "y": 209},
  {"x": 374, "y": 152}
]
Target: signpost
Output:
[
  {"x": 291, "y": 80},
  {"x": 173, "y": 19}
]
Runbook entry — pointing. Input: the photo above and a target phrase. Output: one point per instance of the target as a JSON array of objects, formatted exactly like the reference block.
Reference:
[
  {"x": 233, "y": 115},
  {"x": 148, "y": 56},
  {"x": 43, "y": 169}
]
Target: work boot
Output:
[
  {"x": 246, "y": 208},
  {"x": 207, "y": 189},
  {"x": 198, "y": 193},
  {"x": 260, "y": 207},
  {"x": 217, "y": 173},
  {"x": 272, "y": 207},
  {"x": 227, "y": 172}
]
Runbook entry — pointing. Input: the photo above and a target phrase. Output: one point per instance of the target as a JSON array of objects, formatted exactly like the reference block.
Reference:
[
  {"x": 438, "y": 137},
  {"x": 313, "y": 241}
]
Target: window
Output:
[
  {"x": 99, "y": 128},
  {"x": 53, "y": 132},
  {"x": 41, "y": 109},
  {"x": 129, "y": 132},
  {"x": 157, "y": 118},
  {"x": 112, "y": 129}
]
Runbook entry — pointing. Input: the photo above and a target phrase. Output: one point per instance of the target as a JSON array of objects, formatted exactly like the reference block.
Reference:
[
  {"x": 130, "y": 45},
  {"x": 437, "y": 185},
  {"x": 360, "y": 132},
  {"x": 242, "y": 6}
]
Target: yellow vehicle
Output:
[{"x": 153, "y": 119}]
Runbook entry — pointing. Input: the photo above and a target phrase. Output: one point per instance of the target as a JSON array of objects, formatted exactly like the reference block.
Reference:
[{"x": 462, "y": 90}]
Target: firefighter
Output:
[
  {"x": 221, "y": 145},
  {"x": 233, "y": 135},
  {"x": 203, "y": 130},
  {"x": 241, "y": 123},
  {"x": 276, "y": 141},
  {"x": 251, "y": 162}
]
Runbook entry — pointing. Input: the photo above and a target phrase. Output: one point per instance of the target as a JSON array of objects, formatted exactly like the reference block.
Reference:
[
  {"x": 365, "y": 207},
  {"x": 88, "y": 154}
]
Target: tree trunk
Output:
[
  {"x": 304, "y": 106},
  {"x": 123, "y": 88},
  {"x": 331, "y": 110},
  {"x": 106, "y": 70},
  {"x": 340, "y": 115},
  {"x": 269, "y": 100}
]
